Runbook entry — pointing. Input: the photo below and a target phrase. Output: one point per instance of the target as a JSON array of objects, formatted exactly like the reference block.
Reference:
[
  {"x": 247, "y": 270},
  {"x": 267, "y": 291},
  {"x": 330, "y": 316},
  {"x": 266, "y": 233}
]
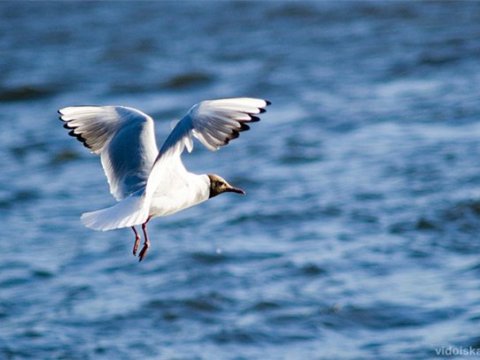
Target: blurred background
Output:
[{"x": 359, "y": 237}]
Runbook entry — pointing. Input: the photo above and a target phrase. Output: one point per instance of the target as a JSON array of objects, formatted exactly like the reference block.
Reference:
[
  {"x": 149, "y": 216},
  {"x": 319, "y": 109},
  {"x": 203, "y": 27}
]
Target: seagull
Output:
[{"x": 145, "y": 181}]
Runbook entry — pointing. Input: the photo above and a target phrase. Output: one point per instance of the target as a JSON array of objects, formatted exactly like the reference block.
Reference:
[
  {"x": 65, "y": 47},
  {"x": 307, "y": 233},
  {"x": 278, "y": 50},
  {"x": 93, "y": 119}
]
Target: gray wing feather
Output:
[
  {"x": 214, "y": 123},
  {"x": 123, "y": 137}
]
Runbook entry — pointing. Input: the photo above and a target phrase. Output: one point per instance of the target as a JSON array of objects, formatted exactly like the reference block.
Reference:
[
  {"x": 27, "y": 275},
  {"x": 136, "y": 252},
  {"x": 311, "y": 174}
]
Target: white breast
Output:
[{"x": 179, "y": 194}]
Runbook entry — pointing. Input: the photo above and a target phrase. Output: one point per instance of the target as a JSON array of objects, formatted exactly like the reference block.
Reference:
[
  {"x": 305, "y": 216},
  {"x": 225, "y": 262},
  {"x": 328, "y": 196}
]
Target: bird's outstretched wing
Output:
[
  {"x": 123, "y": 137},
  {"x": 214, "y": 123}
]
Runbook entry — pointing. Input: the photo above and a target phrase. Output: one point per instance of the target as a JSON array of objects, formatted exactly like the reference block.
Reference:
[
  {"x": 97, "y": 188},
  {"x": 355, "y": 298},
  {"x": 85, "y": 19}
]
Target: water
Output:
[{"x": 359, "y": 237}]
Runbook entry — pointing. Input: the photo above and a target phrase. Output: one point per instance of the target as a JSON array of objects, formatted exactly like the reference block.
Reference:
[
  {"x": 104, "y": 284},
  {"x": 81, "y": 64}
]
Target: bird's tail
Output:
[{"x": 129, "y": 212}]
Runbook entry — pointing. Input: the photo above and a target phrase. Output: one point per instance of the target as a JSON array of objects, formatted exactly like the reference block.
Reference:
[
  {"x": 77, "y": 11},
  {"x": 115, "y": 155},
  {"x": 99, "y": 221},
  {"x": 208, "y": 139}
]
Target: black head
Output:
[{"x": 219, "y": 185}]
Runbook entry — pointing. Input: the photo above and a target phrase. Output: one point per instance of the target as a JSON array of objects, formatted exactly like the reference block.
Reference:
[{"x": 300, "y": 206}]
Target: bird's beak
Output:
[{"x": 234, "y": 189}]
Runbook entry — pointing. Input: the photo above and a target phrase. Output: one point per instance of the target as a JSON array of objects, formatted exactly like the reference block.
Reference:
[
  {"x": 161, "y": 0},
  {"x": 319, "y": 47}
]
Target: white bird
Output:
[{"x": 147, "y": 182}]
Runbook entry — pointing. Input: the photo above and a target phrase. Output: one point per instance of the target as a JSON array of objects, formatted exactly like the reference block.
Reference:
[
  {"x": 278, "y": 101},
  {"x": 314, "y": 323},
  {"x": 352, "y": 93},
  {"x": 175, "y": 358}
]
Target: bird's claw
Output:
[
  {"x": 143, "y": 252},
  {"x": 135, "y": 245}
]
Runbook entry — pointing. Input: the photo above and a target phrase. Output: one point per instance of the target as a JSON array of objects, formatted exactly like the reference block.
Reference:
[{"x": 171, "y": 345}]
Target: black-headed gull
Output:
[{"x": 146, "y": 182}]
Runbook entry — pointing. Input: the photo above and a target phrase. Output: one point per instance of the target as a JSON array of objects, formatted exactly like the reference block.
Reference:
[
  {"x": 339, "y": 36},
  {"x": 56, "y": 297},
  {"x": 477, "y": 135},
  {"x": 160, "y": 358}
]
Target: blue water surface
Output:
[{"x": 360, "y": 234}]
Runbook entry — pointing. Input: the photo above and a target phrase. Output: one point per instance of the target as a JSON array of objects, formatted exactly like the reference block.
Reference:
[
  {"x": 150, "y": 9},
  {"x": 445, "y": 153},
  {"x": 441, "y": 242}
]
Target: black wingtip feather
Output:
[
  {"x": 268, "y": 102},
  {"x": 254, "y": 118},
  {"x": 262, "y": 110},
  {"x": 244, "y": 127},
  {"x": 79, "y": 137},
  {"x": 235, "y": 134},
  {"x": 82, "y": 140}
]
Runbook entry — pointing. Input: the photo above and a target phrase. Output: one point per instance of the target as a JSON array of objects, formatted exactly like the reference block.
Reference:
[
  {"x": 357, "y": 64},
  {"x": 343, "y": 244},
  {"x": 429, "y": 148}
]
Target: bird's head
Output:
[{"x": 219, "y": 185}]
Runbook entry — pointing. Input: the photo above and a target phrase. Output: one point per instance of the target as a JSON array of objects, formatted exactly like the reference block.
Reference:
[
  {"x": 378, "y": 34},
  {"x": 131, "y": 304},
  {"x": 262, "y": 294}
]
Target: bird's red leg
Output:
[
  {"x": 137, "y": 241},
  {"x": 146, "y": 242}
]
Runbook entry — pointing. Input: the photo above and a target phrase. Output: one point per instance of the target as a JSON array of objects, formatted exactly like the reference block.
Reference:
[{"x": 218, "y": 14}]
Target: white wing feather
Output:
[{"x": 123, "y": 137}]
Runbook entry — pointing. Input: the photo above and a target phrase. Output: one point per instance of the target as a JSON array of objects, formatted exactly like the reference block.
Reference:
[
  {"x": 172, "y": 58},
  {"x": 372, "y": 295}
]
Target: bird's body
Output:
[
  {"x": 191, "y": 190},
  {"x": 148, "y": 182}
]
